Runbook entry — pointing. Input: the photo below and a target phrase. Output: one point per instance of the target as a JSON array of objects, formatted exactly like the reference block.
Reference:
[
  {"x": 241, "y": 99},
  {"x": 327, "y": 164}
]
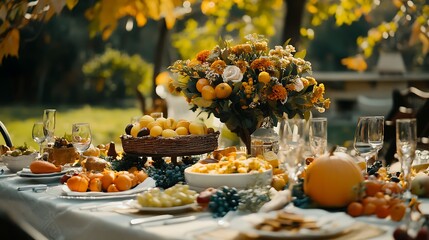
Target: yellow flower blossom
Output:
[{"x": 218, "y": 66}]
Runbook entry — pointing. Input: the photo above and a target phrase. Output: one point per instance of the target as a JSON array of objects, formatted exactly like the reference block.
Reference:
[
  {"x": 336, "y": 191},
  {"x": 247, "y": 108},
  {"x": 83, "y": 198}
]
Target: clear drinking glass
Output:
[
  {"x": 376, "y": 133},
  {"x": 292, "y": 134},
  {"x": 38, "y": 134},
  {"x": 406, "y": 143},
  {"x": 369, "y": 136},
  {"x": 81, "y": 137},
  {"x": 49, "y": 116},
  {"x": 318, "y": 135}
]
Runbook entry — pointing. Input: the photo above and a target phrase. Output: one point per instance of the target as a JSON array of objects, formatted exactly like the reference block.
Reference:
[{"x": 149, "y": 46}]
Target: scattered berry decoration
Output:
[{"x": 225, "y": 199}]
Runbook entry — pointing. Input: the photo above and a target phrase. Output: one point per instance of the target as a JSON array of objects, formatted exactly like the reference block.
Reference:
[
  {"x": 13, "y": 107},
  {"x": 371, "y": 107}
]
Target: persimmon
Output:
[
  {"x": 201, "y": 83},
  {"x": 223, "y": 90},
  {"x": 397, "y": 212},
  {"x": 208, "y": 92},
  {"x": 95, "y": 185},
  {"x": 355, "y": 209},
  {"x": 77, "y": 184},
  {"x": 123, "y": 182},
  {"x": 372, "y": 187},
  {"x": 369, "y": 208},
  {"x": 141, "y": 176},
  {"x": 382, "y": 211},
  {"x": 107, "y": 179}
]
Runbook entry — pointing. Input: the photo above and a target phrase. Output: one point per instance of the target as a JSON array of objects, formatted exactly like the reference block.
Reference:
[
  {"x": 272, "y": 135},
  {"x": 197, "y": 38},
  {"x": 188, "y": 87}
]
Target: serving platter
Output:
[
  {"x": 330, "y": 224},
  {"x": 69, "y": 194}
]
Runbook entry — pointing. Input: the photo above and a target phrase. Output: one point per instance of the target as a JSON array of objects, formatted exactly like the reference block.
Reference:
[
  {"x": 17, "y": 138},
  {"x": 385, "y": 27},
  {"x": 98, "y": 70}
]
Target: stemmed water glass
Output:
[
  {"x": 369, "y": 136},
  {"x": 38, "y": 134},
  {"x": 81, "y": 137},
  {"x": 406, "y": 143},
  {"x": 318, "y": 135},
  {"x": 49, "y": 116},
  {"x": 291, "y": 143}
]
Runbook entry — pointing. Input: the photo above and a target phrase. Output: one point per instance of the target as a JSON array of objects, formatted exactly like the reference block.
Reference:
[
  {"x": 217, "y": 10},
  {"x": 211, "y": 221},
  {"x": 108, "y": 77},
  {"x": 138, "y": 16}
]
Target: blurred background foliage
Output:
[{"x": 108, "y": 53}]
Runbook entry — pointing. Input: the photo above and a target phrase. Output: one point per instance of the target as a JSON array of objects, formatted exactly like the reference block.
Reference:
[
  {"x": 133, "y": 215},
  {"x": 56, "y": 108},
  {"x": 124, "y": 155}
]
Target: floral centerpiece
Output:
[{"x": 245, "y": 83}]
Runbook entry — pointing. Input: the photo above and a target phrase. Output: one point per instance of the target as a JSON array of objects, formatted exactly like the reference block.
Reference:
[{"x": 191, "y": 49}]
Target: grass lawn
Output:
[{"x": 107, "y": 124}]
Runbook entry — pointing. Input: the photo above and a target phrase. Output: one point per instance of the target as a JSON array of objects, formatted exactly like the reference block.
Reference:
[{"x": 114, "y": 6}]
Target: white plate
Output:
[
  {"x": 136, "y": 205},
  {"x": 146, "y": 184},
  {"x": 334, "y": 223},
  {"x": 7, "y": 173},
  {"x": 25, "y": 173}
]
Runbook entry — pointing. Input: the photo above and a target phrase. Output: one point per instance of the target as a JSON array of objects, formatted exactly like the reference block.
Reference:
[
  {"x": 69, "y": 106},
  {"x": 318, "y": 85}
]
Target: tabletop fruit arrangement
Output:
[{"x": 163, "y": 137}]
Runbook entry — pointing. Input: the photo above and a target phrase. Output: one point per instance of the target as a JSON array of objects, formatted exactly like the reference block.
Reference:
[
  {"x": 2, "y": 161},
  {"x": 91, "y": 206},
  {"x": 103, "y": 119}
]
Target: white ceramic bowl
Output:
[
  {"x": 202, "y": 181},
  {"x": 15, "y": 164}
]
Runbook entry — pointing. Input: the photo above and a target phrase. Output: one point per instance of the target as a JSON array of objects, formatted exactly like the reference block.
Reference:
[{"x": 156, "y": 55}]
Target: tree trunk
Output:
[
  {"x": 159, "y": 54},
  {"x": 293, "y": 21}
]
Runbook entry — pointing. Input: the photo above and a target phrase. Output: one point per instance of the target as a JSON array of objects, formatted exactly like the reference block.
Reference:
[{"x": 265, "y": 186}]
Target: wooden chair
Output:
[
  {"x": 408, "y": 103},
  {"x": 5, "y": 135}
]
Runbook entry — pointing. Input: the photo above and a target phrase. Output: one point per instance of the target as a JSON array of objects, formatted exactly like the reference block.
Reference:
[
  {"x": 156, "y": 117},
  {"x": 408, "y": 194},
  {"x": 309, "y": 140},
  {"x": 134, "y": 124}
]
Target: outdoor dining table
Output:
[{"x": 59, "y": 218}]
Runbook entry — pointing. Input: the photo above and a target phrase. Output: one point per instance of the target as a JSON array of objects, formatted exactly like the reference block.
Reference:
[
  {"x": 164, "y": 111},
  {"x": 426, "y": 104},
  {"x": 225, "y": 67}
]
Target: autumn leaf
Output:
[
  {"x": 10, "y": 45},
  {"x": 356, "y": 63},
  {"x": 71, "y": 4}
]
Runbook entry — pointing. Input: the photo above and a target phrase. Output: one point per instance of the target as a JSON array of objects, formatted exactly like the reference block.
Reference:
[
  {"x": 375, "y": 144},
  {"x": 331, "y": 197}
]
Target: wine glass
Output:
[
  {"x": 49, "y": 124},
  {"x": 376, "y": 133},
  {"x": 38, "y": 134},
  {"x": 291, "y": 143},
  {"x": 318, "y": 135},
  {"x": 361, "y": 142},
  {"x": 406, "y": 143},
  {"x": 369, "y": 136},
  {"x": 81, "y": 137}
]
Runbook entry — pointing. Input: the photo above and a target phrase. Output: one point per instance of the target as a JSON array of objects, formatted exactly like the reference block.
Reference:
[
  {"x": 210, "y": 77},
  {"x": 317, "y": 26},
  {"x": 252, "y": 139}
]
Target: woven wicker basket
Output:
[{"x": 178, "y": 146}]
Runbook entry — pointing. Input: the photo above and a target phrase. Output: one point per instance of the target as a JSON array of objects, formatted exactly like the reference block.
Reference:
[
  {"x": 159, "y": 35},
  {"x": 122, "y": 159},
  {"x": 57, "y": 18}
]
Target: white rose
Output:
[
  {"x": 232, "y": 73},
  {"x": 299, "y": 85}
]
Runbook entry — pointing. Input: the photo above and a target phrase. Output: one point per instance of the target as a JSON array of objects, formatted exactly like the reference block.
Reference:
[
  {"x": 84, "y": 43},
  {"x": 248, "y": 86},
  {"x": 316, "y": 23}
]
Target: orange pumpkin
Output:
[
  {"x": 333, "y": 180},
  {"x": 78, "y": 183}
]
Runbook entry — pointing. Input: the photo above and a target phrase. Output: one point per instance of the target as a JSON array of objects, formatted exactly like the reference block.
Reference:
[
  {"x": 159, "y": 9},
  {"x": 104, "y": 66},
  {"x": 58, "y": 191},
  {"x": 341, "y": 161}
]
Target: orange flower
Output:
[
  {"x": 278, "y": 92},
  {"x": 241, "y": 48},
  {"x": 218, "y": 66},
  {"x": 203, "y": 55},
  {"x": 318, "y": 92},
  {"x": 242, "y": 65},
  {"x": 193, "y": 63},
  {"x": 261, "y": 64}
]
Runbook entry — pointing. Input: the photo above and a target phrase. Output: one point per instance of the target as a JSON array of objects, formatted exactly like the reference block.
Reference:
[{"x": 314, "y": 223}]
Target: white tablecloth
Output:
[{"x": 64, "y": 219}]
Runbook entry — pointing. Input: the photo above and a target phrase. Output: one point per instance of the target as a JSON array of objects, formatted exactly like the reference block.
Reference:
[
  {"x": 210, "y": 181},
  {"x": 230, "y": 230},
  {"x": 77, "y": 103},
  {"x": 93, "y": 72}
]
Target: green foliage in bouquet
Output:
[{"x": 264, "y": 83}]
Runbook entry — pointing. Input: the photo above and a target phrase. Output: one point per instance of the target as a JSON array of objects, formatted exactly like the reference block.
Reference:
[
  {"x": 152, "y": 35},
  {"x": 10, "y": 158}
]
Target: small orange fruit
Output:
[
  {"x": 107, "y": 179},
  {"x": 369, "y": 208},
  {"x": 382, "y": 211},
  {"x": 201, "y": 83},
  {"x": 208, "y": 92},
  {"x": 372, "y": 187},
  {"x": 112, "y": 188},
  {"x": 397, "y": 212},
  {"x": 355, "y": 209},
  {"x": 123, "y": 182},
  {"x": 77, "y": 184},
  {"x": 223, "y": 90},
  {"x": 141, "y": 176},
  {"x": 95, "y": 185},
  {"x": 264, "y": 77}
]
